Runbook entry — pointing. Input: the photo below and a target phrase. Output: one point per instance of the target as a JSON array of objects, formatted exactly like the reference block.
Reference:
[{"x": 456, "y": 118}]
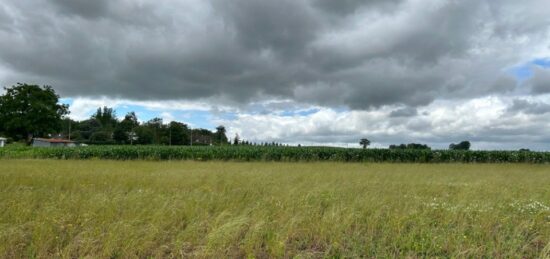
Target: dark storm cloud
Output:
[{"x": 358, "y": 54}]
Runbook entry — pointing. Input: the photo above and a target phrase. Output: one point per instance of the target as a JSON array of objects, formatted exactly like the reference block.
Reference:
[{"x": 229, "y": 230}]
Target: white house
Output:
[
  {"x": 44, "y": 142},
  {"x": 3, "y": 142}
]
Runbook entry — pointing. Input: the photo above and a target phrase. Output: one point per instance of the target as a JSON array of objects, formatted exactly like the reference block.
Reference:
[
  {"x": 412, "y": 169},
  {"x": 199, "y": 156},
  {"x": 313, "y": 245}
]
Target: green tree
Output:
[
  {"x": 236, "y": 140},
  {"x": 364, "y": 142},
  {"x": 27, "y": 111},
  {"x": 178, "y": 133},
  {"x": 464, "y": 145},
  {"x": 219, "y": 136},
  {"x": 107, "y": 117},
  {"x": 144, "y": 135},
  {"x": 125, "y": 130}
]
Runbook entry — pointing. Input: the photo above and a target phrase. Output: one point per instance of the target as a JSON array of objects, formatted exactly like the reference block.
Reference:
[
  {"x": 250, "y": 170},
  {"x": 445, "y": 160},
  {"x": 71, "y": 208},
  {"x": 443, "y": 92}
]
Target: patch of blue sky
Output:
[
  {"x": 525, "y": 71},
  {"x": 68, "y": 101},
  {"x": 307, "y": 112}
]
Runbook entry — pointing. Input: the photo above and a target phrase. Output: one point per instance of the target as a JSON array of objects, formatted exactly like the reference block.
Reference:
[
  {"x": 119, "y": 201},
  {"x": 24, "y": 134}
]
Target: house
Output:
[
  {"x": 3, "y": 142},
  {"x": 44, "y": 142}
]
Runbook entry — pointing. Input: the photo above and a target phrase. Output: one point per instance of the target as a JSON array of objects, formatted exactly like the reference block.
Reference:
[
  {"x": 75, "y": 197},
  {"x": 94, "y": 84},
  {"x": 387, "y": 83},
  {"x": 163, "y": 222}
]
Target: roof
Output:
[
  {"x": 1, "y": 138},
  {"x": 54, "y": 140}
]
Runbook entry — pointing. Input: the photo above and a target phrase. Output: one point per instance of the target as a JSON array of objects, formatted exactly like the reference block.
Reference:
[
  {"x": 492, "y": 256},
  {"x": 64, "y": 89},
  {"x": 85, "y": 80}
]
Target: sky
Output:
[{"x": 310, "y": 72}]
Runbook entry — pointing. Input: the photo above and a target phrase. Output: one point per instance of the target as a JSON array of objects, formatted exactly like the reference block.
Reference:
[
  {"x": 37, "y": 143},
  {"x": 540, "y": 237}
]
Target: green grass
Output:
[{"x": 106, "y": 209}]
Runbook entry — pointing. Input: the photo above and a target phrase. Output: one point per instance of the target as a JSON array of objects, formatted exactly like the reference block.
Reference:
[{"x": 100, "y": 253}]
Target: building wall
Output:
[
  {"x": 40, "y": 143},
  {"x": 2, "y": 142}
]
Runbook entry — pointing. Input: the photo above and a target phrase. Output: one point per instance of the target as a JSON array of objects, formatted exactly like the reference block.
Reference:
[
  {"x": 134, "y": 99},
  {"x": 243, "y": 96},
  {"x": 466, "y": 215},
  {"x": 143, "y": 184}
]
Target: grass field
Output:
[{"x": 109, "y": 209}]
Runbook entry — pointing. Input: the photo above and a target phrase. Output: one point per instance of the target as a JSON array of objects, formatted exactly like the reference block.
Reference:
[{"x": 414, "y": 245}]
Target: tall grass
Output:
[
  {"x": 260, "y": 153},
  {"x": 125, "y": 209}
]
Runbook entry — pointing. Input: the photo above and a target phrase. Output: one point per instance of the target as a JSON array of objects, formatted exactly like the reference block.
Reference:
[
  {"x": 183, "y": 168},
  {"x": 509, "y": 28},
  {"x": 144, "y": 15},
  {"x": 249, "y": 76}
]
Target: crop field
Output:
[
  {"x": 262, "y": 153},
  {"x": 126, "y": 209}
]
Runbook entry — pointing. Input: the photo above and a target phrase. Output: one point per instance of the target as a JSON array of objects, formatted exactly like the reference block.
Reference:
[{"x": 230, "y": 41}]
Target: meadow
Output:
[{"x": 137, "y": 209}]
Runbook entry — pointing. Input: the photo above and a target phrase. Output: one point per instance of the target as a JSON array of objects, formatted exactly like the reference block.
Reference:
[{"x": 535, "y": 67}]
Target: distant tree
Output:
[
  {"x": 144, "y": 135},
  {"x": 125, "y": 130},
  {"x": 219, "y": 136},
  {"x": 157, "y": 128},
  {"x": 236, "y": 140},
  {"x": 524, "y": 150},
  {"x": 364, "y": 142},
  {"x": 410, "y": 146},
  {"x": 107, "y": 117},
  {"x": 464, "y": 145},
  {"x": 120, "y": 136},
  {"x": 178, "y": 133},
  {"x": 101, "y": 137},
  {"x": 30, "y": 110}
]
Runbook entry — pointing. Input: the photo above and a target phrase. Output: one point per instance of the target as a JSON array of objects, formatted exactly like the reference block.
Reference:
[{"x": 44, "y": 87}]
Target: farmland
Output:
[
  {"x": 105, "y": 208},
  {"x": 263, "y": 153}
]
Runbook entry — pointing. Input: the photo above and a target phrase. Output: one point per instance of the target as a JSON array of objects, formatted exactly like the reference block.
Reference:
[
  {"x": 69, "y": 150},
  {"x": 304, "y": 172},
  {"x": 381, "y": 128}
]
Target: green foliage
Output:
[
  {"x": 274, "y": 153},
  {"x": 410, "y": 146},
  {"x": 464, "y": 145},
  {"x": 30, "y": 110},
  {"x": 364, "y": 142}
]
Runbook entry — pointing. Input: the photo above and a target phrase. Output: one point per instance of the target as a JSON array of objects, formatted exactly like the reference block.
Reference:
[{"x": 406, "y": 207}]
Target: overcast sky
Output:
[{"x": 297, "y": 71}]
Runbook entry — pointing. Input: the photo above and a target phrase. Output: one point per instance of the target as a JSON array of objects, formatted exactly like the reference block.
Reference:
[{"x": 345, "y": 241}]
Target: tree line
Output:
[{"x": 29, "y": 111}]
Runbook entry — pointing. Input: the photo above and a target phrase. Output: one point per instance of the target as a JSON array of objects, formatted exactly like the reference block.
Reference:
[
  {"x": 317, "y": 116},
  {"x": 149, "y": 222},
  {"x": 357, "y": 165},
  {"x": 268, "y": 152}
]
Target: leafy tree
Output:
[
  {"x": 219, "y": 137},
  {"x": 30, "y": 110},
  {"x": 411, "y": 146},
  {"x": 121, "y": 136},
  {"x": 125, "y": 130},
  {"x": 236, "y": 140},
  {"x": 129, "y": 122},
  {"x": 157, "y": 128},
  {"x": 106, "y": 116},
  {"x": 101, "y": 137},
  {"x": 464, "y": 145},
  {"x": 364, "y": 142},
  {"x": 178, "y": 133},
  {"x": 144, "y": 136}
]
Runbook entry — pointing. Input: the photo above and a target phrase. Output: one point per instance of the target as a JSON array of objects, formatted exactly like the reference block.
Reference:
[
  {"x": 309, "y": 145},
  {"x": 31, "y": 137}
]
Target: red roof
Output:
[{"x": 54, "y": 140}]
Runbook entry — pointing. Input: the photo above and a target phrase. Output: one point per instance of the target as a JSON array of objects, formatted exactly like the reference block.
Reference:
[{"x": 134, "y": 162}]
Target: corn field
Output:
[{"x": 261, "y": 153}]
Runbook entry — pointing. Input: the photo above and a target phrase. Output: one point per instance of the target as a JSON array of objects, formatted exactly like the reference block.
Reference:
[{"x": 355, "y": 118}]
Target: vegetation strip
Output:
[{"x": 261, "y": 153}]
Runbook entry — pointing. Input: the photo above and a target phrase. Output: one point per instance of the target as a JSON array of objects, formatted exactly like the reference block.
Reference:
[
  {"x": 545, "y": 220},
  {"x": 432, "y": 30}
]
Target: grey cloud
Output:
[
  {"x": 540, "y": 82},
  {"x": 84, "y": 8},
  {"x": 528, "y": 107},
  {"x": 404, "y": 112},
  {"x": 346, "y": 7},
  {"x": 358, "y": 54}
]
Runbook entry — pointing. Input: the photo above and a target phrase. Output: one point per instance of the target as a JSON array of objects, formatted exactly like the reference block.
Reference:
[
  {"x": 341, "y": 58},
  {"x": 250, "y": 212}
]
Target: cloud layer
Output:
[
  {"x": 386, "y": 61},
  {"x": 358, "y": 54}
]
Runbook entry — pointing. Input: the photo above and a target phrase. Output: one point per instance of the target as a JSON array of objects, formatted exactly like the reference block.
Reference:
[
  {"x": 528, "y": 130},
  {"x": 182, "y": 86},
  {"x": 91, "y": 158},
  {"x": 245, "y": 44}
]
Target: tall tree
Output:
[
  {"x": 107, "y": 117},
  {"x": 178, "y": 133},
  {"x": 364, "y": 142},
  {"x": 219, "y": 135},
  {"x": 30, "y": 110},
  {"x": 236, "y": 140},
  {"x": 125, "y": 130}
]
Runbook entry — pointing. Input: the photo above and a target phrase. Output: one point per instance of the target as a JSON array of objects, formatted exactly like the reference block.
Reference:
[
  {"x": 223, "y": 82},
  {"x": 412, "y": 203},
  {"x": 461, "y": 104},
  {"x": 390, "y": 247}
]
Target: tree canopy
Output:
[
  {"x": 464, "y": 145},
  {"x": 364, "y": 142},
  {"x": 28, "y": 111}
]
